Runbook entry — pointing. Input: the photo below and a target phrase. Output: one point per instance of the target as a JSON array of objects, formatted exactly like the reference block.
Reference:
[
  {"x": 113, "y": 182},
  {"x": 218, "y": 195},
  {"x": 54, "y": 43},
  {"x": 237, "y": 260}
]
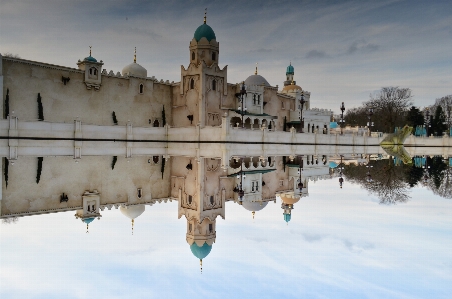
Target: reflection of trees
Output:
[
  {"x": 440, "y": 181},
  {"x": 388, "y": 181},
  {"x": 391, "y": 183}
]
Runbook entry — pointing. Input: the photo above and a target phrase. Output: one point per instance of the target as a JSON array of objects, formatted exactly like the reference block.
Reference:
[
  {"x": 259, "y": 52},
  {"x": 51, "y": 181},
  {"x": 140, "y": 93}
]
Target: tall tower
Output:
[
  {"x": 203, "y": 84},
  {"x": 290, "y": 71}
]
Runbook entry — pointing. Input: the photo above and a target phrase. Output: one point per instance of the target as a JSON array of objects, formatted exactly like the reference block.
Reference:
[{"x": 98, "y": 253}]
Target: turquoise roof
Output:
[
  {"x": 333, "y": 164},
  {"x": 287, "y": 217},
  {"x": 200, "y": 252},
  {"x": 90, "y": 58},
  {"x": 88, "y": 220},
  {"x": 333, "y": 125},
  {"x": 204, "y": 31},
  {"x": 290, "y": 70}
]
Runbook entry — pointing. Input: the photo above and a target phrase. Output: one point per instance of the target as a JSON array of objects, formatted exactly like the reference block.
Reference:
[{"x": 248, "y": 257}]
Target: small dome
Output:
[
  {"x": 132, "y": 212},
  {"x": 134, "y": 69},
  {"x": 290, "y": 70},
  {"x": 204, "y": 31},
  {"x": 256, "y": 80},
  {"x": 292, "y": 87},
  {"x": 254, "y": 206},
  {"x": 200, "y": 252},
  {"x": 332, "y": 164},
  {"x": 90, "y": 59},
  {"x": 289, "y": 199},
  {"x": 287, "y": 217},
  {"x": 88, "y": 220},
  {"x": 333, "y": 125}
]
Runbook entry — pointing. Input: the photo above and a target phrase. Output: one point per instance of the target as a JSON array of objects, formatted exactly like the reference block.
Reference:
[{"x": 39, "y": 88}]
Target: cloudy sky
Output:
[
  {"x": 367, "y": 250},
  {"x": 341, "y": 50}
]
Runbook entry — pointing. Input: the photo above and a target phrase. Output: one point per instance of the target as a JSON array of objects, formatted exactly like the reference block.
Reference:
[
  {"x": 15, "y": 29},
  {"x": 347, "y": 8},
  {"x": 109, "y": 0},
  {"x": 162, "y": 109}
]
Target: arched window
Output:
[
  {"x": 192, "y": 84},
  {"x": 155, "y": 159},
  {"x": 91, "y": 71},
  {"x": 139, "y": 193},
  {"x": 189, "y": 227},
  {"x": 192, "y": 55},
  {"x": 210, "y": 227},
  {"x": 156, "y": 123},
  {"x": 141, "y": 88},
  {"x": 214, "y": 56},
  {"x": 211, "y": 200},
  {"x": 190, "y": 199},
  {"x": 214, "y": 85},
  {"x": 95, "y": 72}
]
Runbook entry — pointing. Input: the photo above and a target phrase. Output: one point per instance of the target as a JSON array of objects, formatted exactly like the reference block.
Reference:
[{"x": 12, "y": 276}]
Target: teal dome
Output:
[
  {"x": 90, "y": 59},
  {"x": 88, "y": 220},
  {"x": 333, "y": 125},
  {"x": 287, "y": 217},
  {"x": 200, "y": 252},
  {"x": 333, "y": 164},
  {"x": 290, "y": 70},
  {"x": 204, "y": 31}
]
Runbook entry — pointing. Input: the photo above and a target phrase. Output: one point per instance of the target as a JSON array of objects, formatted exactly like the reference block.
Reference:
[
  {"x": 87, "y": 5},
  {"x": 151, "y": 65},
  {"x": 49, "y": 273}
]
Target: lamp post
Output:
[
  {"x": 341, "y": 179},
  {"x": 239, "y": 190},
  {"x": 370, "y": 124},
  {"x": 302, "y": 102},
  {"x": 342, "y": 107},
  {"x": 449, "y": 120},
  {"x": 368, "y": 175},
  {"x": 240, "y": 95},
  {"x": 300, "y": 169}
]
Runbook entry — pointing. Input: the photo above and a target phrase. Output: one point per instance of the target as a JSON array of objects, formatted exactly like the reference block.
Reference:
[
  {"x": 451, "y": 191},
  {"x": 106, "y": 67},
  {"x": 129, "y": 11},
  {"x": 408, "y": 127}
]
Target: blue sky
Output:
[
  {"x": 340, "y": 243},
  {"x": 341, "y": 50}
]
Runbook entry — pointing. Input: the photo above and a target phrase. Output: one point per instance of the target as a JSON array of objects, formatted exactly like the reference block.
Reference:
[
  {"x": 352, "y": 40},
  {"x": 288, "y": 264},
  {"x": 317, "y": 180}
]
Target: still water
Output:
[{"x": 385, "y": 234}]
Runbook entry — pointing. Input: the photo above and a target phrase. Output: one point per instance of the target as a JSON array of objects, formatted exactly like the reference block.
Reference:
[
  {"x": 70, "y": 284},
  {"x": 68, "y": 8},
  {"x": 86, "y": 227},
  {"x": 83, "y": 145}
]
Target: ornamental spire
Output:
[
  {"x": 205, "y": 15},
  {"x": 200, "y": 263},
  {"x": 133, "y": 221},
  {"x": 90, "y": 50},
  {"x": 255, "y": 72},
  {"x": 135, "y": 56}
]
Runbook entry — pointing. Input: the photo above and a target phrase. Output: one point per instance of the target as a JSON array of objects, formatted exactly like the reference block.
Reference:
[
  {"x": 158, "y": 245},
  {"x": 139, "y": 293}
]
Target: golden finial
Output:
[
  {"x": 200, "y": 263},
  {"x": 90, "y": 50},
  {"x": 133, "y": 221},
  {"x": 253, "y": 214},
  {"x": 135, "y": 56},
  {"x": 87, "y": 228},
  {"x": 205, "y": 15},
  {"x": 255, "y": 72}
]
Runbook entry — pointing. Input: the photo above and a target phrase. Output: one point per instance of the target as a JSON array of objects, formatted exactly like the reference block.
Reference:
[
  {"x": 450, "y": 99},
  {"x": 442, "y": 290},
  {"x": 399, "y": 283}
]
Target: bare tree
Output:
[
  {"x": 11, "y": 220},
  {"x": 8, "y": 54},
  {"x": 446, "y": 104},
  {"x": 390, "y": 105}
]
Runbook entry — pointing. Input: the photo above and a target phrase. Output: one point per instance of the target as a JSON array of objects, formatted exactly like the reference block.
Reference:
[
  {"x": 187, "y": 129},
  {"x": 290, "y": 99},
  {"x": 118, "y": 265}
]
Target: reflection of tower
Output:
[
  {"x": 288, "y": 200},
  {"x": 91, "y": 203},
  {"x": 200, "y": 200},
  {"x": 132, "y": 212}
]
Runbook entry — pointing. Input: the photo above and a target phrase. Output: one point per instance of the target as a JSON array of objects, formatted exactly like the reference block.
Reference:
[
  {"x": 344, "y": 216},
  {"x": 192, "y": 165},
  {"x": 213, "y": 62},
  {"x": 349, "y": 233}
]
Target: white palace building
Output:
[{"x": 85, "y": 139}]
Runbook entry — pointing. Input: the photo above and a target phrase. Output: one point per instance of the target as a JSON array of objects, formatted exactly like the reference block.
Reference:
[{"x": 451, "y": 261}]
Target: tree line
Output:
[{"x": 392, "y": 107}]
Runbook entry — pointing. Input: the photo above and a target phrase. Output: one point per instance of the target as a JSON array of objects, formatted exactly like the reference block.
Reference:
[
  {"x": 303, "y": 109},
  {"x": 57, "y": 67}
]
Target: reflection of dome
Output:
[
  {"x": 289, "y": 199},
  {"x": 134, "y": 69},
  {"x": 287, "y": 217},
  {"x": 204, "y": 31},
  {"x": 332, "y": 164},
  {"x": 90, "y": 59},
  {"x": 292, "y": 87},
  {"x": 290, "y": 70},
  {"x": 256, "y": 80},
  {"x": 254, "y": 206},
  {"x": 200, "y": 252},
  {"x": 88, "y": 220},
  {"x": 132, "y": 212}
]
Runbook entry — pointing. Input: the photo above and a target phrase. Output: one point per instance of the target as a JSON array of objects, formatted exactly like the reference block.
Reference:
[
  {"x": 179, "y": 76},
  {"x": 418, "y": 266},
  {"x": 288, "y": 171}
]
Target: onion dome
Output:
[
  {"x": 333, "y": 125},
  {"x": 88, "y": 220},
  {"x": 290, "y": 70},
  {"x": 204, "y": 31},
  {"x": 200, "y": 252},
  {"x": 333, "y": 164},
  {"x": 132, "y": 212},
  {"x": 287, "y": 217},
  {"x": 254, "y": 206},
  {"x": 90, "y": 58},
  {"x": 134, "y": 69}
]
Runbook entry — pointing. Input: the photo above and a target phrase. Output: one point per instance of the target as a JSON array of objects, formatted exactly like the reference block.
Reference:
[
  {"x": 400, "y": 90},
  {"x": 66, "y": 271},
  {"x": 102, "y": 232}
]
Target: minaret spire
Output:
[
  {"x": 87, "y": 228},
  {"x": 200, "y": 263},
  {"x": 90, "y": 50},
  {"x": 133, "y": 221},
  {"x": 255, "y": 72},
  {"x": 135, "y": 56},
  {"x": 205, "y": 16}
]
